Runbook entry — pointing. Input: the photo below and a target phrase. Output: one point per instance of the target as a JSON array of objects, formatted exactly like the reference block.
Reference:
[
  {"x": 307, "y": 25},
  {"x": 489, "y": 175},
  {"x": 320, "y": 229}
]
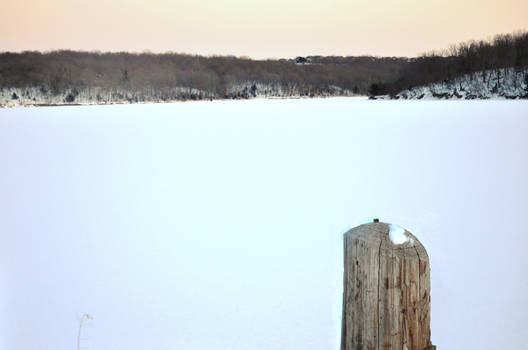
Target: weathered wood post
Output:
[{"x": 386, "y": 295}]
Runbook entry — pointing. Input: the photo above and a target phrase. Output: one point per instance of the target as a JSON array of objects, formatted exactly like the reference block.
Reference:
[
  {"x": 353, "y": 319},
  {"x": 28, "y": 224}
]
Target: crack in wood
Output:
[{"x": 379, "y": 282}]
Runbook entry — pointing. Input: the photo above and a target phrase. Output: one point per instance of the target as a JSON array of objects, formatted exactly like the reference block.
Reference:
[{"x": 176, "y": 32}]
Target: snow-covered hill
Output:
[{"x": 506, "y": 83}]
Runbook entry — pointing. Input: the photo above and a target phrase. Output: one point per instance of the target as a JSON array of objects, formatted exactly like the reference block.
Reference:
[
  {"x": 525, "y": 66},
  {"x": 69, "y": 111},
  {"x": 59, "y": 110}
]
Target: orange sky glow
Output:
[{"x": 258, "y": 29}]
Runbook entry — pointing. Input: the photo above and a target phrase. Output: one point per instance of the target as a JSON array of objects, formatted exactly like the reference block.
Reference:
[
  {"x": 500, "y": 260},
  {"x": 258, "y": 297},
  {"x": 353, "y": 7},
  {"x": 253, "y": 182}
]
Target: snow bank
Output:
[{"x": 41, "y": 96}]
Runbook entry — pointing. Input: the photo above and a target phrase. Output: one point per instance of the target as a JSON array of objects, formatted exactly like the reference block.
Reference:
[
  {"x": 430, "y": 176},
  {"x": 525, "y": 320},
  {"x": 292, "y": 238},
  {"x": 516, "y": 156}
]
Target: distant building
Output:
[{"x": 302, "y": 60}]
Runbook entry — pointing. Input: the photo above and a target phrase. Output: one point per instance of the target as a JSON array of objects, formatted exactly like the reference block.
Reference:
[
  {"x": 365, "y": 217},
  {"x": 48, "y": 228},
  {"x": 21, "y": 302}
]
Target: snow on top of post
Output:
[{"x": 398, "y": 235}]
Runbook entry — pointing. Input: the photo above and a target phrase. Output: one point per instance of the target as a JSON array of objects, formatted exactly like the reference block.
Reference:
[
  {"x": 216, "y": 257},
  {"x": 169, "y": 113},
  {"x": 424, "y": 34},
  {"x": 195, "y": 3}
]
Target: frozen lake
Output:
[{"x": 205, "y": 225}]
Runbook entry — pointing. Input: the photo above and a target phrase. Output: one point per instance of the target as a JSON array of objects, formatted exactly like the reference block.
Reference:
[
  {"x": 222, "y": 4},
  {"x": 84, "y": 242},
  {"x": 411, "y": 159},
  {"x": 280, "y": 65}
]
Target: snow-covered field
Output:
[{"x": 218, "y": 225}]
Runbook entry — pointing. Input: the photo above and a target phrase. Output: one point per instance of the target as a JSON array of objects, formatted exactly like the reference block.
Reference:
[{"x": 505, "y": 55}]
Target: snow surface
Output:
[{"x": 219, "y": 224}]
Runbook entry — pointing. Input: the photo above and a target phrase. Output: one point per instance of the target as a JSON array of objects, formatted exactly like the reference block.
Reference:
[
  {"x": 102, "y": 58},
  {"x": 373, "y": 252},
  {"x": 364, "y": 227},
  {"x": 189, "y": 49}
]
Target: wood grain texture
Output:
[{"x": 386, "y": 296}]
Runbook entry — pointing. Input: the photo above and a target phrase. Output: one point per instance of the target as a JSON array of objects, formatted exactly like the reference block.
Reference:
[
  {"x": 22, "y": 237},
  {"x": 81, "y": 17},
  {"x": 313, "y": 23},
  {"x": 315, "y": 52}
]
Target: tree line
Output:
[
  {"x": 67, "y": 72},
  {"x": 60, "y": 71},
  {"x": 467, "y": 58}
]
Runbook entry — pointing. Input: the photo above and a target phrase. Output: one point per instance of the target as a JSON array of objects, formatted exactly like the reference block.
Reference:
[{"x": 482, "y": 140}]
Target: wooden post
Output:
[
  {"x": 84, "y": 317},
  {"x": 386, "y": 295}
]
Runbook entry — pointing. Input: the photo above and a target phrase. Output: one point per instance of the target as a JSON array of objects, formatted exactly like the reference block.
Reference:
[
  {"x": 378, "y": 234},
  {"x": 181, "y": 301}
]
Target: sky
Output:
[
  {"x": 258, "y": 29},
  {"x": 220, "y": 224}
]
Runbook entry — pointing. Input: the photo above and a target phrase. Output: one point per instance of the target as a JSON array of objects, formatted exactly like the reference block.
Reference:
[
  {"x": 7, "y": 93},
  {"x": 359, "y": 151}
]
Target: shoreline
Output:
[{"x": 358, "y": 97}]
